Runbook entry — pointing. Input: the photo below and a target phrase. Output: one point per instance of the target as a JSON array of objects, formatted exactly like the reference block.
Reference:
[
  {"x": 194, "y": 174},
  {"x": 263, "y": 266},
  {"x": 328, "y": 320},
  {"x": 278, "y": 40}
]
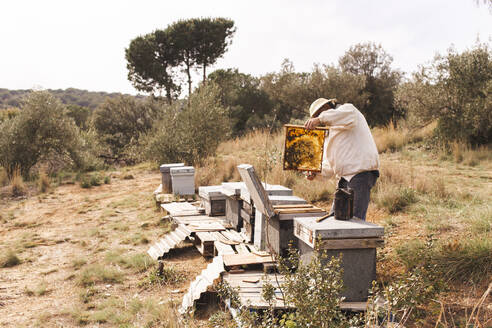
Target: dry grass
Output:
[
  {"x": 4, "y": 179},
  {"x": 17, "y": 186},
  {"x": 8, "y": 258},
  {"x": 463, "y": 153},
  {"x": 44, "y": 182},
  {"x": 390, "y": 138}
]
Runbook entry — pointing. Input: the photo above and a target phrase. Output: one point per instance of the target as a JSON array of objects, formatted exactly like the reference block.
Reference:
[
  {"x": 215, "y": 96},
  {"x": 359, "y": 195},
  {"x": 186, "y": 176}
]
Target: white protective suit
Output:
[{"x": 349, "y": 147}]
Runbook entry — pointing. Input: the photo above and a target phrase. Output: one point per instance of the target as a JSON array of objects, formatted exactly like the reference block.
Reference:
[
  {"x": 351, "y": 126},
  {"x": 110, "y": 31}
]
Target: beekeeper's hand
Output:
[
  {"x": 312, "y": 123},
  {"x": 310, "y": 175}
]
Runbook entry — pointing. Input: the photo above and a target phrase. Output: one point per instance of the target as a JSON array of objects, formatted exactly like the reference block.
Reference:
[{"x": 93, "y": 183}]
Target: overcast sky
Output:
[{"x": 60, "y": 44}]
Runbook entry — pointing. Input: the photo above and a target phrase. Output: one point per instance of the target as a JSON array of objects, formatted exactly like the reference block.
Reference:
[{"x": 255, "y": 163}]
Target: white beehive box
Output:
[
  {"x": 165, "y": 169},
  {"x": 183, "y": 180}
]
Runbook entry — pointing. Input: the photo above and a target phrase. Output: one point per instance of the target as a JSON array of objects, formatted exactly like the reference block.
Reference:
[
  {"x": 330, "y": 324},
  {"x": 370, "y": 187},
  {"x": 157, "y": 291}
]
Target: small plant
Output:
[
  {"x": 17, "y": 186},
  {"x": 4, "y": 178},
  {"x": 43, "y": 182},
  {"x": 128, "y": 177},
  {"x": 85, "y": 182},
  {"x": 97, "y": 273},
  {"x": 95, "y": 180},
  {"x": 40, "y": 290},
  {"x": 9, "y": 259},
  {"x": 168, "y": 275},
  {"x": 395, "y": 198},
  {"x": 107, "y": 179}
]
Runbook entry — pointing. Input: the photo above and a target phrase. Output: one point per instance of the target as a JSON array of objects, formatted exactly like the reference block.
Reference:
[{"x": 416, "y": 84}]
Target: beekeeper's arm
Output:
[{"x": 342, "y": 117}]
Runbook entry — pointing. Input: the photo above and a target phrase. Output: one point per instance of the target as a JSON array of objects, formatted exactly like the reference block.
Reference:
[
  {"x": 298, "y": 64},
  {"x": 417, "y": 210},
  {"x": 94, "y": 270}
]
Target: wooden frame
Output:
[{"x": 303, "y": 148}]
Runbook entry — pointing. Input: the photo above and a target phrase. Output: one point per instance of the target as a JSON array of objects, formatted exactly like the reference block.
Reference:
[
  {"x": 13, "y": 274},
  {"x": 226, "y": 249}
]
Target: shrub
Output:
[
  {"x": 119, "y": 122},
  {"x": 4, "y": 178},
  {"x": 8, "y": 259},
  {"x": 39, "y": 132},
  {"x": 394, "y": 198},
  {"x": 454, "y": 90},
  {"x": 190, "y": 134},
  {"x": 107, "y": 179},
  {"x": 17, "y": 186},
  {"x": 43, "y": 182},
  {"x": 97, "y": 273}
]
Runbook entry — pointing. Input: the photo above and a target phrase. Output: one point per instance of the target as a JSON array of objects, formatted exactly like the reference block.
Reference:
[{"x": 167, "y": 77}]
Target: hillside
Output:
[
  {"x": 70, "y": 96},
  {"x": 82, "y": 252}
]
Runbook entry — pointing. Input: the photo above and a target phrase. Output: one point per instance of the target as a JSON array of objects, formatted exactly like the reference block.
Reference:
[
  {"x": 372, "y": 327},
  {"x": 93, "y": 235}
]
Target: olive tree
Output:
[
  {"x": 381, "y": 81},
  {"x": 119, "y": 122},
  {"x": 38, "y": 132},
  {"x": 456, "y": 90},
  {"x": 189, "y": 133}
]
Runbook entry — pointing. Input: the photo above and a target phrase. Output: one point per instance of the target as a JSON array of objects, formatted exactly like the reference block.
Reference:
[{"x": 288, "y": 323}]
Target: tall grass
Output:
[
  {"x": 43, "y": 182},
  {"x": 17, "y": 186}
]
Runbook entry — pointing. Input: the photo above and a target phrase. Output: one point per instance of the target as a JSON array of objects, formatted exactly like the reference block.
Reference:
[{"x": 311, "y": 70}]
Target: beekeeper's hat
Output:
[{"x": 318, "y": 103}]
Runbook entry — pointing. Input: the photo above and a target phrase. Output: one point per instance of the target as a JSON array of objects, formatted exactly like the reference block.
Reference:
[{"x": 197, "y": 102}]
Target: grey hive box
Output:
[
  {"x": 213, "y": 200},
  {"x": 183, "y": 180},
  {"x": 273, "y": 226},
  {"x": 355, "y": 240},
  {"x": 233, "y": 203},
  {"x": 165, "y": 169}
]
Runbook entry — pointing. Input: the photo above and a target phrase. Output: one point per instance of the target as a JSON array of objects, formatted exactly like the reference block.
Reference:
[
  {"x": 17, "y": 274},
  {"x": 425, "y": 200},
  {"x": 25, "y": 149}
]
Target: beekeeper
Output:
[{"x": 350, "y": 152}]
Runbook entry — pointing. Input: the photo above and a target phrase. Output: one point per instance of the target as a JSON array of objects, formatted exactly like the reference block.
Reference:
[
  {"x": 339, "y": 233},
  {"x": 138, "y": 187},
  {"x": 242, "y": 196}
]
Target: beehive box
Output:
[
  {"x": 213, "y": 200},
  {"x": 183, "y": 180},
  {"x": 233, "y": 203},
  {"x": 280, "y": 227},
  {"x": 354, "y": 239},
  {"x": 165, "y": 169}
]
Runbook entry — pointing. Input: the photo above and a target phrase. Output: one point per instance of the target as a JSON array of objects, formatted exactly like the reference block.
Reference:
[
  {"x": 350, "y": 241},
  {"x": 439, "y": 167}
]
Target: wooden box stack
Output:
[
  {"x": 183, "y": 180},
  {"x": 167, "y": 186},
  {"x": 213, "y": 200},
  {"x": 354, "y": 239}
]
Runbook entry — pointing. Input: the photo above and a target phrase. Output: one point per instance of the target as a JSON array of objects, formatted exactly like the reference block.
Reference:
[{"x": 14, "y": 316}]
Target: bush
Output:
[
  {"x": 17, "y": 186},
  {"x": 455, "y": 91},
  {"x": 119, "y": 123},
  {"x": 192, "y": 133},
  {"x": 43, "y": 182},
  {"x": 8, "y": 259},
  {"x": 39, "y": 132},
  {"x": 394, "y": 198}
]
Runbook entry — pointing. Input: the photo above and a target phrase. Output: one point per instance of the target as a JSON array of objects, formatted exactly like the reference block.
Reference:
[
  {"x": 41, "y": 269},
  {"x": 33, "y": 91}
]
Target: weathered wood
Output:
[
  {"x": 308, "y": 230},
  {"x": 290, "y": 206},
  {"x": 180, "y": 209},
  {"x": 350, "y": 243},
  {"x": 256, "y": 190},
  {"x": 245, "y": 259}
]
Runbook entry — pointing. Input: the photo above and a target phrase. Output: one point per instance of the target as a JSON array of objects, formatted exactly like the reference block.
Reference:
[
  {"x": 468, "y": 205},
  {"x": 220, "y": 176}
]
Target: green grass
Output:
[
  {"x": 395, "y": 198},
  {"x": 98, "y": 273}
]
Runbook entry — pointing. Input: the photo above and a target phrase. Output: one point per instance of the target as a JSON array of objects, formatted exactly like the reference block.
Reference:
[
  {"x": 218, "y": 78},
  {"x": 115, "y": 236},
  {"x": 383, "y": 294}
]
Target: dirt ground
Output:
[
  {"x": 60, "y": 235},
  {"x": 56, "y": 235}
]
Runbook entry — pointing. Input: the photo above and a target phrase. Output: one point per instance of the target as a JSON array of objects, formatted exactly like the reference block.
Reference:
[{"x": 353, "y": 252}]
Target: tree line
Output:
[{"x": 454, "y": 89}]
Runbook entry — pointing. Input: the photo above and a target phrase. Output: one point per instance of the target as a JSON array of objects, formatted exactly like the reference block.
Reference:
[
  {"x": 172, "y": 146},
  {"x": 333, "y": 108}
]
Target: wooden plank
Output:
[
  {"x": 223, "y": 249},
  {"x": 205, "y": 236},
  {"x": 242, "y": 249},
  {"x": 294, "y": 206},
  {"x": 301, "y": 126},
  {"x": 245, "y": 259},
  {"x": 256, "y": 189},
  {"x": 351, "y": 243},
  {"x": 297, "y": 210}
]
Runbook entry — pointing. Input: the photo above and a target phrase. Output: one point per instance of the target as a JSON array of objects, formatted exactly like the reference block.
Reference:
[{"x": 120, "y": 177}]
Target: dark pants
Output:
[{"x": 361, "y": 183}]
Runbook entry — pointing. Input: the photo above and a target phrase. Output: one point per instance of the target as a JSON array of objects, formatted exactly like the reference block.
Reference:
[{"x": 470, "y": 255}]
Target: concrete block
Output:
[
  {"x": 183, "y": 180},
  {"x": 359, "y": 269},
  {"x": 165, "y": 169}
]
